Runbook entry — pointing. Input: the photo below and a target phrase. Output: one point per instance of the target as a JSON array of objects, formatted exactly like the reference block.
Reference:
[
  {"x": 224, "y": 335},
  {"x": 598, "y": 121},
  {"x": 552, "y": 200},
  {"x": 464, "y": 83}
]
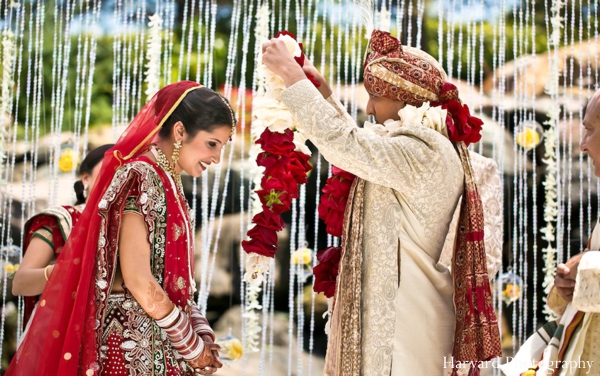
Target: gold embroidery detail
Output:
[
  {"x": 180, "y": 283},
  {"x": 178, "y": 231},
  {"x": 67, "y": 356},
  {"x": 380, "y": 72},
  {"x": 65, "y": 220}
]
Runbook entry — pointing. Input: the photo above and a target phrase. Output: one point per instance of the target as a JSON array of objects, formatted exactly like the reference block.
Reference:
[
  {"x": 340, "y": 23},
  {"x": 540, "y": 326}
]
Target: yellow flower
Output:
[
  {"x": 511, "y": 291},
  {"x": 233, "y": 348},
  {"x": 528, "y": 138},
  {"x": 302, "y": 256},
  {"x": 68, "y": 159},
  {"x": 9, "y": 268}
]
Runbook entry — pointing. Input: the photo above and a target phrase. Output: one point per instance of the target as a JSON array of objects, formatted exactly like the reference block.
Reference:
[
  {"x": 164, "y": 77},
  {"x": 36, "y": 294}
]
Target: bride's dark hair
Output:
[{"x": 201, "y": 110}]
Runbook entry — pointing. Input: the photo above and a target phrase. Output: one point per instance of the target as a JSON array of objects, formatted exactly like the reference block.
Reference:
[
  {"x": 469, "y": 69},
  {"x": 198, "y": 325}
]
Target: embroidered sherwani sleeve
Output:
[{"x": 412, "y": 153}]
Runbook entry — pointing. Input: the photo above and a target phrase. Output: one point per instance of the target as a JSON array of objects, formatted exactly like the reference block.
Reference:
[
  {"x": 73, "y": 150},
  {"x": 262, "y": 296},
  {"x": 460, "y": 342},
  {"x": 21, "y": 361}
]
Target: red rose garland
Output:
[
  {"x": 327, "y": 271},
  {"x": 285, "y": 169},
  {"x": 459, "y": 122},
  {"x": 331, "y": 210}
]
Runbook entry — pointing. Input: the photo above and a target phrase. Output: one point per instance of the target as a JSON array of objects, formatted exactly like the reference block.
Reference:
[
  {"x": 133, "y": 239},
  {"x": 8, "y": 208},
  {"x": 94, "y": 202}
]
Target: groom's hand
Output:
[
  {"x": 281, "y": 62},
  {"x": 309, "y": 69},
  {"x": 565, "y": 277}
]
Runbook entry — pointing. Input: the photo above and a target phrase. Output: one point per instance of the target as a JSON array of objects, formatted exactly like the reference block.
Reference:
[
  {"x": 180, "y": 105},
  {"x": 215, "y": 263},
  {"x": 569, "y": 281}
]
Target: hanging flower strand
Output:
[
  {"x": 8, "y": 63},
  {"x": 550, "y": 182},
  {"x": 153, "y": 55},
  {"x": 284, "y": 158},
  {"x": 256, "y": 265}
]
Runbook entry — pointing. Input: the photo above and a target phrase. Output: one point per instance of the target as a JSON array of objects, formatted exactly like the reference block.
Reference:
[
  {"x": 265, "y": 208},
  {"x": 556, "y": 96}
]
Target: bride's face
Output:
[{"x": 202, "y": 150}]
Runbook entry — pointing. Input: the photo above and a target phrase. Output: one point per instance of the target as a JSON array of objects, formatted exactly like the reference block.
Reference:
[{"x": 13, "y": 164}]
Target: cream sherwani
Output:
[{"x": 414, "y": 179}]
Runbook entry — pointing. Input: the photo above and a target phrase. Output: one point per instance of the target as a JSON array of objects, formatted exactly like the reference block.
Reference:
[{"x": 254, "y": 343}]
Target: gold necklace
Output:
[{"x": 164, "y": 163}]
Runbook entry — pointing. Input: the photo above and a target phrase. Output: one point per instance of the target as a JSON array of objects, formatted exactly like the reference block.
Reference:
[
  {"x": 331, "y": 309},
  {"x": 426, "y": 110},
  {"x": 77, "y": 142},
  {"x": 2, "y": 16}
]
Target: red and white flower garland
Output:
[{"x": 285, "y": 158}]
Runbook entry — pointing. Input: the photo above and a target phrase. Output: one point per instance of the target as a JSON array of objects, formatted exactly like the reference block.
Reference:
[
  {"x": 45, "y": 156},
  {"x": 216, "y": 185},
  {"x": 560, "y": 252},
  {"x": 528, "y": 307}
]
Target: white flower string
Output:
[
  {"x": 84, "y": 82},
  {"x": 517, "y": 173},
  {"x": 292, "y": 280},
  {"x": 420, "y": 13},
  {"x": 153, "y": 55},
  {"x": 170, "y": 14},
  {"x": 267, "y": 307},
  {"x": 534, "y": 188},
  {"x": 9, "y": 58},
  {"x": 90, "y": 79},
  {"x": 8, "y": 65},
  {"x": 19, "y": 25},
  {"x": 550, "y": 183},
  {"x": 60, "y": 80}
]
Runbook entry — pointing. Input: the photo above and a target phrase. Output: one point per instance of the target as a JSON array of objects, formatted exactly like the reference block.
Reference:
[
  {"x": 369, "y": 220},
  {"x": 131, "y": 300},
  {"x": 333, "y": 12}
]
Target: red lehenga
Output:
[
  {"x": 53, "y": 226},
  {"x": 79, "y": 327}
]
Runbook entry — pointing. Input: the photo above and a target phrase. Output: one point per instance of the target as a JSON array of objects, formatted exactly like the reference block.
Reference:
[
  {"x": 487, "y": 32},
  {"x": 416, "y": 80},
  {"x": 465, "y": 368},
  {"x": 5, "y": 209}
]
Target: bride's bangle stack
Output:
[
  {"x": 200, "y": 323},
  {"x": 179, "y": 330}
]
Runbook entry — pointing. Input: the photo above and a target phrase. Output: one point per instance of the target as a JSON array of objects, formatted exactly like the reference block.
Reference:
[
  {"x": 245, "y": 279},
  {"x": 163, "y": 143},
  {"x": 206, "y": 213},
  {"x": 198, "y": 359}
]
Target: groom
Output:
[{"x": 393, "y": 312}]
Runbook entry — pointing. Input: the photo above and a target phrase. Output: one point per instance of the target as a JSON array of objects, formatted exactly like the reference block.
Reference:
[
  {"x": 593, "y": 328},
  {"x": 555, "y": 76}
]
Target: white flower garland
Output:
[
  {"x": 8, "y": 62},
  {"x": 153, "y": 55},
  {"x": 550, "y": 183},
  {"x": 425, "y": 115}
]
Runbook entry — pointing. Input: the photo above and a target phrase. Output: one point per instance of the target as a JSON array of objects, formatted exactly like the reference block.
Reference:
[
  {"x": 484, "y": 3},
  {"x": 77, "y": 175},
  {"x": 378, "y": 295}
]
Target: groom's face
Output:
[{"x": 383, "y": 108}]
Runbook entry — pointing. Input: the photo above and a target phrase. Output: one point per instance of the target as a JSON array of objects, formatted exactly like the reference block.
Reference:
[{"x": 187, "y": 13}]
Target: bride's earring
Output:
[{"x": 175, "y": 157}]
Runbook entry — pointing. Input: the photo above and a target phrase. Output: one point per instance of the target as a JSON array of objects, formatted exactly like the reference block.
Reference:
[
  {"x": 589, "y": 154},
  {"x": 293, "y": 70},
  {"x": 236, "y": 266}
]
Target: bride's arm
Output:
[{"x": 134, "y": 258}]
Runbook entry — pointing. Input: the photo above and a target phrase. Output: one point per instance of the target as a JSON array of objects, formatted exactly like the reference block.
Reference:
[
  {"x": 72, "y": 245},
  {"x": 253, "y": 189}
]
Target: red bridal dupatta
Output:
[{"x": 65, "y": 334}]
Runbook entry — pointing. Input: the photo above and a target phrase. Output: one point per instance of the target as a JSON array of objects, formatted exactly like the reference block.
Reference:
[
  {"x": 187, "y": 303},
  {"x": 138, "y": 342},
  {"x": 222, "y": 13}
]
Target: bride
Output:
[{"x": 119, "y": 300}]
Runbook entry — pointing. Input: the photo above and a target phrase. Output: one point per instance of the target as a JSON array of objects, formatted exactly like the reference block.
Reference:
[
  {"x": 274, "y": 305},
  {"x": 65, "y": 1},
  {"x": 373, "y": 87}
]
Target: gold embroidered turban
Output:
[{"x": 403, "y": 73}]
